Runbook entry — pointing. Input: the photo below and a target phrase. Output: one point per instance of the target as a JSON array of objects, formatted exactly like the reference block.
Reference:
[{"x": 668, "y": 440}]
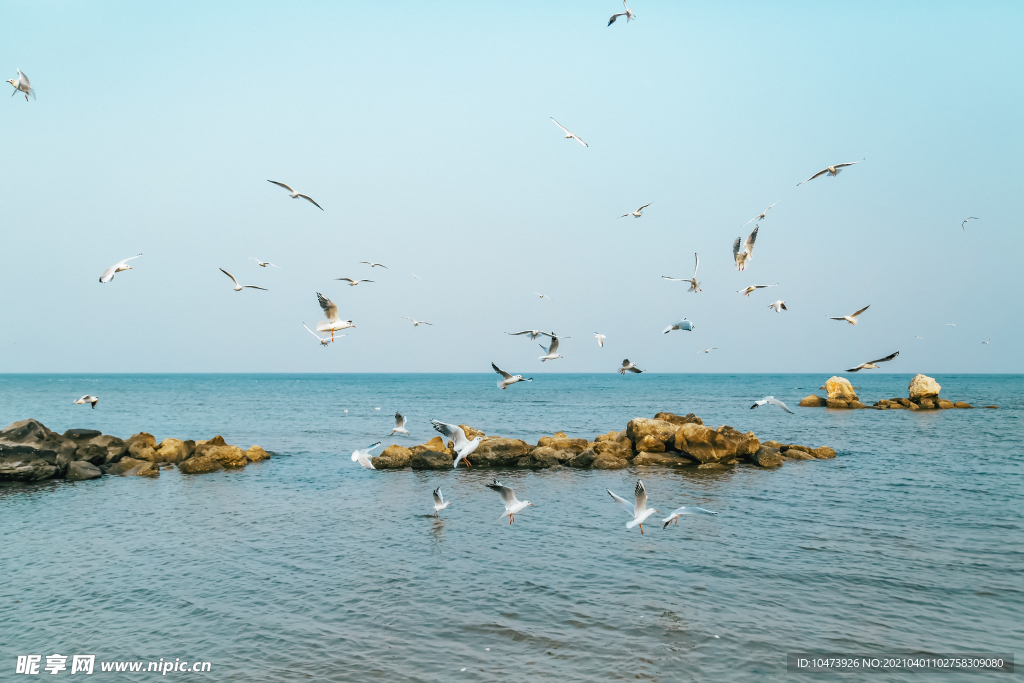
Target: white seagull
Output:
[
  {"x": 508, "y": 379},
  {"x": 543, "y": 296},
  {"x": 416, "y": 323},
  {"x": 694, "y": 285},
  {"x": 741, "y": 257},
  {"x": 969, "y": 218},
  {"x": 713, "y": 348},
  {"x": 21, "y": 84},
  {"x": 637, "y": 510},
  {"x": 439, "y": 502},
  {"x": 463, "y": 446},
  {"x": 685, "y": 510},
  {"x": 351, "y": 282},
  {"x": 831, "y": 170},
  {"x": 512, "y": 505},
  {"x": 399, "y": 425},
  {"x": 88, "y": 399},
  {"x": 770, "y": 400},
  {"x": 533, "y": 333},
  {"x": 638, "y": 213},
  {"x": 746, "y": 292},
  {"x": 947, "y": 324},
  {"x": 683, "y": 324},
  {"x": 238, "y": 287},
  {"x": 779, "y": 306},
  {"x": 416, "y": 276},
  {"x": 852, "y": 318},
  {"x": 332, "y": 324},
  {"x": 296, "y": 195},
  {"x": 600, "y": 339},
  {"x": 324, "y": 341},
  {"x": 549, "y": 353},
  {"x": 760, "y": 216},
  {"x": 374, "y": 265},
  {"x": 569, "y": 135},
  {"x": 363, "y": 456},
  {"x": 987, "y": 342},
  {"x": 263, "y": 264},
  {"x": 872, "y": 364},
  {"x": 108, "y": 274},
  {"x": 628, "y": 14},
  {"x": 626, "y": 365}
]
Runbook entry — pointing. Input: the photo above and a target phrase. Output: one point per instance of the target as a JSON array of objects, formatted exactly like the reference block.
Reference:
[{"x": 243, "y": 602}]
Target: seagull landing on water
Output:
[
  {"x": 600, "y": 339},
  {"x": 872, "y": 364},
  {"x": 637, "y": 510},
  {"x": 694, "y": 285},
  {"x": 569, "y": 135},
  {"x": 238, "y": 287},
  {"x": 686, "y": 510},
  {"x": 21, "y": 84},
  {"x": 628, "y": 14},
  {"x": 324, "y": 341},
  {"x": 852, "y": 318},
  {"x": 683, "y": 324},
  {"x": 439, "y": 502},
  {"x": 399, "y": 425},
  {"x": 550, "y": 352},
  {"x": 374, "y": 265},
  {"x": 263, "y": 264},
  {"x": 332, "y": 324},
  {"x": 831, "y": 170},
  {"x": 760, "y": 216},
  {"x": 296, "y": 195},
  {"x": 779, "y": 306},
  {"x": 88, "y": 399},
  {"x": 638, "y": 213},
  {"x": 507, "y": 379},
  {"x": 512, "y": 505},
  {"x": 969, "y": 218},
  {"x": 463, "y": 446},
  {"x": 363, "y": 456},
  {"x": 746, "y": 292},
  {"x": 416, "y": 323},
  {"x": 741, "y": 257},
  {"x": 630, "y": 367},
  {"x": 351, "y": 282},
  {"x": 108, "y": 274},
  {"x": 770, "y": 400}
]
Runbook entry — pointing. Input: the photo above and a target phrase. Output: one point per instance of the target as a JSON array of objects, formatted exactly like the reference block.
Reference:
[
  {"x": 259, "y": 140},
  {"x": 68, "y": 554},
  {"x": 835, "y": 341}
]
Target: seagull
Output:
[
  {"x": 108, "y": 274},
  {"x": 569, "y": 135},
  {"x": 694, "y": 285},
  {"x": 831, "y": 170},
  {"x": 351, "y": 282},
  {"x": 638, "y": 213},
  {"x": 600, "y": 339},
  {"x": 416, "y": 276},
  {"x": 332, "y": 324},
  {"x": 88, "y": 399},
  {"x": 987, "y": 342},
  {"x": 746, "y": 292},
  {"x": 296, "y": 195},
  {"x": 771, "y": 400},
  {"x": 683, "y": 324},
  {"x": 852, "y": 318},
  {"x": 628, "y": 14},
  {"x": 916, "y": 337},
  {"x": 637, "y": 510},
  {"x": 779, "y": 306},
  {"x": 533, "y": 333},
  {"x": 748, "y": 250},
  {"x": 399, "y": 425},
  {"x": 947, "y": 324},
  {"x": 416, "y": 323},
  {"x": 969, "y": 218},
  {"x": 713, "y": 348},
  {"x": 238, "y": 287},
  {"x": 626, "y": 365},
  {"x": 550, "y": 351},
  {"x": 463, "y": 446},
  {"x": 871, "y": 365},
  {"x": 363, "y": 456},
  {"x": 263, "y": 264},
  {"x": 21, "y": 84},
  {"x": 674, "y": 517},
  {"x": 508, "y": 379},
  {"x": 512, "y": 506},
  {"x": 543, "y": 296},
  {"x": 760, "y": 216},
  {"x": 324, "y": 341},
  {"x": 374, "y": 265},
  {"x": 439, "y": 502}
]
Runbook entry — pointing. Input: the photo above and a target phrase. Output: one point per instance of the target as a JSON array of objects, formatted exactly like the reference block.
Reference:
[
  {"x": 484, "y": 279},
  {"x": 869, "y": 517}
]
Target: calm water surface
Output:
[{"x": 307, "y": 567}]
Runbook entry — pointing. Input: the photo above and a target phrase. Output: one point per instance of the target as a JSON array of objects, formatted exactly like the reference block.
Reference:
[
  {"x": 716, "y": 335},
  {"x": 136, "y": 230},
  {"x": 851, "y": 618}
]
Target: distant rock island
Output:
[{"x": 923, "y": 395}]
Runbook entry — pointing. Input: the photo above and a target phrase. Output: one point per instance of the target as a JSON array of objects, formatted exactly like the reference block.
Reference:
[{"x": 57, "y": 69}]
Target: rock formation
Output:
[{"x": 923, "y": 390}]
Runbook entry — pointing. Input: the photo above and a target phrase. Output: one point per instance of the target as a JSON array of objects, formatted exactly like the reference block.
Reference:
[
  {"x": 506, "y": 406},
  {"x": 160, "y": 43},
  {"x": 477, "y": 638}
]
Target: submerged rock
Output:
[
  {"x": 663, "y": 459},
  {"x": 256, "y": 454},
  {"x": 200, "y": 464}
]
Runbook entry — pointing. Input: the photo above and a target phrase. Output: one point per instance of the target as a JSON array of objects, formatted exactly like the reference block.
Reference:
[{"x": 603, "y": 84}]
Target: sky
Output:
[{"x": 423, "y": 130}]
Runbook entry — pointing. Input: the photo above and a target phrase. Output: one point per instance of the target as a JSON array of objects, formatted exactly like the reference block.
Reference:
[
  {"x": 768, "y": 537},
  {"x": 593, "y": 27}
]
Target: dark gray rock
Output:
[
  {"x": 81, "y": 470},
  {"x": 93, "y": 453},
  {"x": 82, "y": 434},
  {"x": 767, "y": 457}
]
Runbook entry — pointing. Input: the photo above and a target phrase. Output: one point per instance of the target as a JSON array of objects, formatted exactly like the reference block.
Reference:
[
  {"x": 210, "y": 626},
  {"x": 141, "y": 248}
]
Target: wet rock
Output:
[
  {"x": 689, "y": 418},
  {"x": 26, "y": 432},
  {"x": 912, "y": 406},
  {"x": 123, "y": 465},
  {"x": 767, "y": 457},
  {"x": 29, "y": 452},
  {"x": 896, "y": 406},
  {"x": 823, "y": 453},
  {"x": 856, "y": 404},
  {"x": 812, "y": 401},
  {"x": 584, "y": 459},
  {"x": 497, "y": 451},
  {"x": 431, "y": 460},
  {"x": 926, "y": 403},
  {"x": 547, "y": 453},
  {"x": 708, "y": 445},
  {"x": 562, "y": 442},
  {"x": 142, "y": 437},
  {"x": 256, "y": 454},
  {"x": 795, "y": 446},
  {"x": 115, "y": 447},
  {"x": 712, "y": 466},
  {"x": 659, "y": 430},
  {"x": 961, "y": 404},
  {"x": 91, "y": 453},
  {"x": 943, "y": 404},
  {"x": 840, "y": 388},
  {"x": 650, "y": 444},
  {"x": 202, "y": 447},
  {"x": 607, "y": 461},
  {"x": 796, "y": 454},
  {"x": 174, "y": 450},
  {"x": 622, "y": 450},
  {"x": 201, "y": 464},
  {"x": 993, "y": 407},
  {"x": 837, "y": 403},
  {"x": 773, "y": 444},
  {"x": 147, "y": 469},
  {"x": 392, "y": 458},
  {"x": 80, "y": 470},
  {"x": 662, "y": 459},
  {"x": 231, "y": 457}
]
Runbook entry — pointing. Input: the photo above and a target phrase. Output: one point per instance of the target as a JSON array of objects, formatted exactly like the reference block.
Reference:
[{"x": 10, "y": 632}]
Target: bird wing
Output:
[
  {"x": 438, "y": 498},
  {"x": 580, "y": 140},
  {"x": 554, "y": 344},
  {"x": 748, "y": 246},
  {"x": 501, "y": 372},
  {"x": 310, "y": 200},
  {"x": 346, "y": 279},
  {"x": 121, "y": 263},
  {"x": 823, "y": 171},
  {"x": 108, "y": 274},
  {"x": 508, "y": 495},
  {"x": 312, "y": 332},
  {"x": 560, "y": 125},
  {"x": 840, "y": 318},
  {"x": 674, "y": 279},
  {"x": 887, "y": 358},
  {"x": 454, "y": 432},
  {"x": 640, "y": 493},
  {"x": 696, "y": 264},
  {"x": 399, "y": 420},
  {"x": 783, "y": 305},
  {"x": 625, "y": 362},
  {"x": 255, "y": 287},
  {"x": 281, "y": 185},
  {"x": 736, "y": 248},
  {"x": 330, "y": 309},
  {"x": 626, "y": 505},
  {"x": 523, "y": 332},
  {"x": 687, "y": 510},
  {"x": 644, "y": 206},
  {"x": 849, "y": 163},
  {"x": 230, "y": 276},
  {"x": 854, "y": 315},
  {"x": 858, "y": 368},
  {"x": 776, "y": 402}
]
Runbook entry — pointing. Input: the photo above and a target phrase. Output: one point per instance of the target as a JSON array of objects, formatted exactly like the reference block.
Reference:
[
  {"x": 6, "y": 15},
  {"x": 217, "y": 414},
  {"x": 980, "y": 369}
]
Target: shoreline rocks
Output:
[{"x": 923, "y": 395}]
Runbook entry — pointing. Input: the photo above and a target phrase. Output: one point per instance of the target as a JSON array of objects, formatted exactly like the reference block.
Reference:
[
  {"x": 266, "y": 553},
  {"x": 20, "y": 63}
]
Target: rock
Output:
[
  {"x": 767, "y": 457},
  {"x": 943, "y": 404},
  {"x": 472, "y": 433},
  {"x": 896, "y": 406},
  {"x": 650, "y": 444},
  {"x": 436, "y": 445},
  {"x": 840, "y": 388},
  {"x": 116, "y": 448},
  {"x": 823, "y": 453},
  {"x": 202, "y": 447},
  {"x": 200, "y": 464},
  {"x": 797, "y": 454},
  {"x": 712, "y": 466},
  {"x": 961, "y": 404},
  {"x": 882, "y": 402},
  {"x": 708, "y": 445},
  {"x": 392, "y": 458},
  {"x": 143, "y": 451},
  {"x": 607, "y": 461},
  {"x": 689, "y": 418},
  {"x": 856, "y": 404},
  {"x": 82, "y": 434},
  {"x": 431, "y": 460},
  {"x": 26, "y": 432},
  {"x": 175, "y": 450},
  {"x": 926, "y": 403},
  {"x": 836, "y": 403},
  {"x": 123, "y": 465},
  {"x": 91, "y": 453},
  {"x": 255, "y": 454},
  {"x": 143, "y": 438},
  {"x": 912, "y": 406},
  {"x": 146, "y": 469},
  {"x": 660, "y": 430},
  {"x": 773, "y": 444},
  {"x": 923, "y": 386},
  {"x": 812, "y": 401},
  {"x": 497, "y": 451},
  {"x": 562, "y": 442},
  {"x": 993, "y": 407},
  {"x": 584, "y": 459},
  {"x": 663, "y": 459},
  {"x": 231, "y": 457},
  {"x": 547, "y": 453},
  {"x": 616, "y": 449},
  {"x": 795, "y": 446},
  {"x": 31, "y": 452},
  {"x": 80, "y": 470}
]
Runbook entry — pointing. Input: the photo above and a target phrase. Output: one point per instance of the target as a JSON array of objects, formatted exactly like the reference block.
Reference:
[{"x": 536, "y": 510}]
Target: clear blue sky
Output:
[{"x": 423, "y": 131}]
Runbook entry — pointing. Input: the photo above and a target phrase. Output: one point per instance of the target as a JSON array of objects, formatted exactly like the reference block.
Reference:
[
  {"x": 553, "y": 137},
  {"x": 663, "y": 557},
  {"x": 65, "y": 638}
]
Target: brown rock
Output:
[
  {"x": 767, "y": 457},
  {"x": 650, "y": 444},
  {"x": 606, "y": 461},
  {"x": 796, "y": 446},
  {"x": 926, "y": 403},
  {"x": 472, "y": 433},
  {"x": 662, "y": 431},
  {"x": 823, "y": 453},
  {"x": 943, "y": 404},
  {"x": 144, "y": 438},
  {"x": 662, "y": 459},
  {"x": 840, "y": 388},
  {"x": 993, "y": 407},
  {"x": 712, "y": 466},
  {"x": 200, "y": 464},
  {"x": 584, "y": 459},
  {"x": 392, "y": 458},
  {"x": 546, "y": 453},
  {"x": 231, "y": 457},
  {"x": 882, "y": 402},
  {"x": 146, "y": 469},
  {"x": 896, "y": 406},
  {"x": 202, "y": 447},
  {"x": 961, "y": 404},
  {"x": 123, "y": 465},
  {"x": 913, "y": 406},
  {"x": 255, "y": 454},
  {"x": 689, "y": 418},
  {"x": 812, "y": 401},
  {"x": 436, "y": 445},
  {"x": 175, "y": 450},
  {"x": 497, "y": 451},
  {"x": 773, "y": 444},
  {"x": 563, "y": 443},
  {"x": 836, "y": 403},
  {"x": 91, "y": 453},
  {"x": 923, "y": 386},
  {"x": 141, "y": 450},
  {"x": 116, "y": 448},
  {"x": 431, "y": 460},
  {"x": 794, "y": 454},
  {"x": 617, "y": 449},
  {"x": 708, "y": 445}
]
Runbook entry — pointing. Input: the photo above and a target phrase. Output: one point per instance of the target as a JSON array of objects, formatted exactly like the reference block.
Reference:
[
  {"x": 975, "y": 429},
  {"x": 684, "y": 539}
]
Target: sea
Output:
[{"x": 308, "y": 567}]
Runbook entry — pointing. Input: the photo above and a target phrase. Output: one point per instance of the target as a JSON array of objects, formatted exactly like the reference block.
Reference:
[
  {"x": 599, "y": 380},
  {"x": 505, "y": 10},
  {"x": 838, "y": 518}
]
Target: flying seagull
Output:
[
  {"x": 831, "y": 170},
  {"x": 512, "y": 506},
  {"x": 263, "y": 264},
  {"x": 686, "y": 510},
  {"x": 238, "y": 287},
  {"x": 416, "y": 276},
  {"x": 351, "y": 282},
  {"x": 399, "y": 425},
  {"x": 947, "y": 324},
  {"x": 296, "y": 195},
  {"x": 626, "y": 365},
  {"x": 987, "y": 342},
  {"x": 533, "y": 333},
  {"x": 741, "y": 257},
  {"x": 416, "y": 323},
  {"x": 463, "y": 446},
  {"x": 549, "y": 353},
  {"x": 508, "y": 379},
  {"x": 108, "y": 274},
  {"x": 770, "y": 400},
  {"x": 374, "y": 265},
  {"x": 760, "y": 216},
  {"x": 683, "y": 324},
  {"x": 600, "y": 339},
  {"x": 713, "y": 348},
  {"x": 694, "y": 285},
  {"x": 543, "y": 296},
  {"x": 363, "y": 456},
  {"x": 638, "y": 213},
  {"x": 638, "y": 510},
  {"x": 969, "y": 218},
  {"x": 88, "y": 399},
  {"x": 779, "y": 306},
  {"x": 852, "y": 318},
  {"x": 746, "y": 292},
  {"x": 21, "y": 84},
  {"x": 332, "y": 324},
  {"x": 324, "y": 341},
  {"x": 628, "y": 14},
  {"x": 439, "y": 502},
  {"x": 871, "y": 364},
  {"x": 569, "y": 135}
]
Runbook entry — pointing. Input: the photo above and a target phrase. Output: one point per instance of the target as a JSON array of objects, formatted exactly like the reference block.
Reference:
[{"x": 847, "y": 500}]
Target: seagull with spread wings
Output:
[
  {"x": 263, "y": 264},
  {"x": 872, "y": 364},
  {"x": 324, "y": 341},
  {"x": 685, "y": 510},
  {"x": 831, "y": 170},
  {"x": 463, "y": 446},
  {"x": 543, "y": 296},
  {"x": 684, "y": 325},
  {"x": 628, "y": 14},
  {"x": 399, "y": 425},
  {"x": 969, "y": 218},
  {"x": 694, "y": 285},
  {"x": 88, "y": 399},
  {"x": 363, "y": 457},
  {"x": 713, "y": 348},
  {"x": 550, "y": 353},
  {"x": 638, "y": 213},
  {"x": 569, "y": 135},
  {"x": 108, "y": 274},
  {"x": 630, "y": 367},
  {"x": 533, "y": 333},
  {"x": 741, "y": 257},
  {"x": 439, "y": 502},
  {"x": 507, "y": 379},
  {"x": 333, "y": 323},
  {"x": 374, "y": 265},
  {"x": 21, "y": 84},
  {"x": 238, "y": 287},
  {"x": 746, "y": 292},
  {"x": 600, "y": 339},
  {"x": 351, "y": 282},
  {"x": 416, "y": 323},
  {"x": 508, "y": 495},
  {"x": 638, "y": 509},
  {"x": 760, "y": 216},
  {"x": 852, "y": 318},
  {"x": 779, "y": 306},
  {"x": 772, "y": 401},
  {"x": 296, "y": 195}
]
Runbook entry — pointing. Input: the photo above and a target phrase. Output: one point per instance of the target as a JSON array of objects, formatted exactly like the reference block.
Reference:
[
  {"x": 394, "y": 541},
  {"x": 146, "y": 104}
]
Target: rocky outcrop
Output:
[
  {"x": 924, "y": 395},
  {"x": 201, "y": 464},
  {"x": 497, "y": 451},
  {"x": 923, "y": 386},
  {"x": 256, "y": 454},
  {"x": 709, "y": 445},
  {"x": 812, "y": 401},
  {"x": 653, "y": 436},
  {"x": 766, "y": 457},
  {"x": 689, "y": 418},
  {"x": 81, "y": 470},
  {"x": 840, "y": 388},
  {"x": 175, "y": 450},
  {"x": 663, "y": 459},
  {"x": 392, "y": 458}
]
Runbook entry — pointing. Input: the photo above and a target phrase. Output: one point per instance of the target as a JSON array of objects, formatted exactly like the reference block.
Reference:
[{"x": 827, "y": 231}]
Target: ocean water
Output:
[{"x": 307, "y": 567}]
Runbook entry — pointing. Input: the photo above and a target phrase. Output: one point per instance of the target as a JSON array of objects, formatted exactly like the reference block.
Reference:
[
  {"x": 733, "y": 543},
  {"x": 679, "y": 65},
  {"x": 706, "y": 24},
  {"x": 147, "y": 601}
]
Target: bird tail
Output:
[{"x": 632, "y": 523}]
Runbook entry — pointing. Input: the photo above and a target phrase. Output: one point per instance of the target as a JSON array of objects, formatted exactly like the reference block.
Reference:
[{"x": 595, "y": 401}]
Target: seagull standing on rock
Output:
[
  {"x": 741, "y": 257},
  {"x": 363, "y": 456},
  {"x": 638, "y": 509},
  {"x": 512, "y": 505},
  {"x": 507, "y": 379},
  {"x": 108, "y": 274},
  {"x": 463, "y": 446}
]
